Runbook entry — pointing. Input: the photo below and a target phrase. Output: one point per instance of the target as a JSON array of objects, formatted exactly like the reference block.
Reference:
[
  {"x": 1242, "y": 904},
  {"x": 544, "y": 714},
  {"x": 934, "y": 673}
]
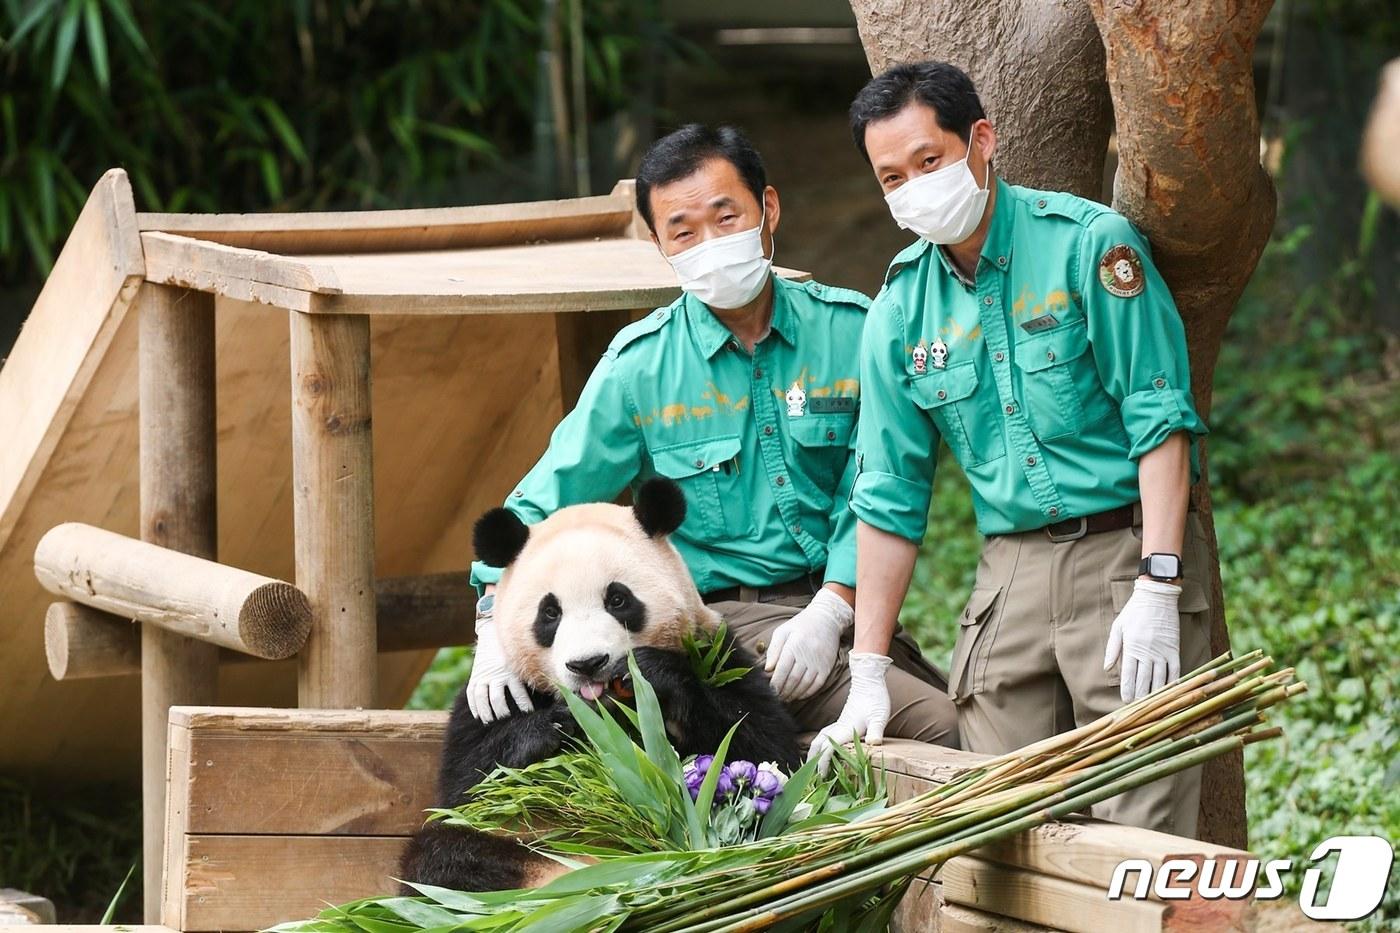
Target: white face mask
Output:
[
  {"x": 942, "y": 206},
  {"x": 725, "y": 272}
]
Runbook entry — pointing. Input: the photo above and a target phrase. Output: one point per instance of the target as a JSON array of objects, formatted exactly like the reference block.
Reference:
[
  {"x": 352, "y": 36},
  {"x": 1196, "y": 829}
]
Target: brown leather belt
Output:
[
  {"x": 1072, "y": 529},
  {"x": 805, "y": 585}
]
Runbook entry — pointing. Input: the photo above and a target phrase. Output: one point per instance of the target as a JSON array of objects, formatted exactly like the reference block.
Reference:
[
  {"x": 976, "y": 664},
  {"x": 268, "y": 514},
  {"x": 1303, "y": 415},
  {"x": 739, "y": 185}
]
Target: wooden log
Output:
[
  {"x": 414, "y": 614},
  {"x": 177, "y": 430},
  {"x": 191, "y": 596},
  {"x": 333, "y": 507},
  {"x": 954, "y": 918}
]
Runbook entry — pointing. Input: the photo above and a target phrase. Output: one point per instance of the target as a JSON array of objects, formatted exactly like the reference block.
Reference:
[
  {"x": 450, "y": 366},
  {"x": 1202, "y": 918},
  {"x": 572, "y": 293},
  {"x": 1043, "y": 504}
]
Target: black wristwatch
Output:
[{"x": 1161, "y": 567}]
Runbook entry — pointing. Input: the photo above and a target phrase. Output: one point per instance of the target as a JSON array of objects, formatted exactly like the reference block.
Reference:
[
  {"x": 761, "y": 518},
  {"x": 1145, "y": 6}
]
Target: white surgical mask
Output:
[
  {"x": 728, "y": 271},
  {"x": 942, "y": 206}
]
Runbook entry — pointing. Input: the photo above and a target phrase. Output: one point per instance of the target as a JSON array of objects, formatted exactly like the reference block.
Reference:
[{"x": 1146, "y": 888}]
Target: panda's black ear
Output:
[
  {"x": 659, "y": 506},
  {"x": 498, "y": 537}
]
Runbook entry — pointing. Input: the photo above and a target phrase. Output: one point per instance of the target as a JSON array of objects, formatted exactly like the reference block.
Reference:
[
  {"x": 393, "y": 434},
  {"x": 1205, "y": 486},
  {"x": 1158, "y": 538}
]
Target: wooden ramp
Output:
[{"x": 466, "y": 324}]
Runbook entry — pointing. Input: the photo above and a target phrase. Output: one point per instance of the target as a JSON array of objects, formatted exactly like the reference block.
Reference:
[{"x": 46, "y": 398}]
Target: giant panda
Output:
[{"x": 580, "y": 590}]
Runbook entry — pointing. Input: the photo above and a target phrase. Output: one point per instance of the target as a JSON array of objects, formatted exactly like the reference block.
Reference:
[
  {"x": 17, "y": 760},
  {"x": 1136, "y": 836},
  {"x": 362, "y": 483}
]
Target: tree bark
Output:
[
  {"x": 1179, "y": 74},
  {"x": 1039, "y": 70}
]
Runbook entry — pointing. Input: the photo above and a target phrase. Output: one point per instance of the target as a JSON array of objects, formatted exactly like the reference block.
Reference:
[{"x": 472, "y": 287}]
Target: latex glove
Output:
[
  {"x": 802, "y": 652},
  {"x": 491, "y": 678},
  {"x": 866, "y": 713},
  {"x": 1147, "y": 636}
]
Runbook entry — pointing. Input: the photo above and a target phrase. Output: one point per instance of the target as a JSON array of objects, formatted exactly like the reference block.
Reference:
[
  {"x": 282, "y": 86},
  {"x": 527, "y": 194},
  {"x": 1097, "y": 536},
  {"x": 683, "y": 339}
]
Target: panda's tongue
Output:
[{"x": 592, "y": 690}]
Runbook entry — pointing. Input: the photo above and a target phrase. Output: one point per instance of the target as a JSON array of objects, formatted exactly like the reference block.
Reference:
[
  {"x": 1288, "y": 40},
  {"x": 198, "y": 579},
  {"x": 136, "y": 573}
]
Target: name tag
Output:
[
  {"x": 830, "y": 405},
  {"x": 1036, "y": 325}
]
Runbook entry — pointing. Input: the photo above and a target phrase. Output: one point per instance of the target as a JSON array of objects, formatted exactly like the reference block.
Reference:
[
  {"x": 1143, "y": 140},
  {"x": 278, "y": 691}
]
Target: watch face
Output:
[{"x": 1163, "y": 566}]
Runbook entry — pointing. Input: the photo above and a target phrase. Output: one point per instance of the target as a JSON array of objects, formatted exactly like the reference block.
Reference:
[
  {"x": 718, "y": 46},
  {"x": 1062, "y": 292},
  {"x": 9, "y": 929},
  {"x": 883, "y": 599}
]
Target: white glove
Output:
[
  {"x": 1147, "y": 634},
  {"x": 802, "y": 652},
  {"x": 865, "y": 714},
  {"x": 491, "y": 678}
]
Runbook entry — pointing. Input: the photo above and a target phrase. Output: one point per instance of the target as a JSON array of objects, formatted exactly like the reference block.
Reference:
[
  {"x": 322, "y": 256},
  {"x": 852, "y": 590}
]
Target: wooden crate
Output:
[{"x": 273, "y": 813}]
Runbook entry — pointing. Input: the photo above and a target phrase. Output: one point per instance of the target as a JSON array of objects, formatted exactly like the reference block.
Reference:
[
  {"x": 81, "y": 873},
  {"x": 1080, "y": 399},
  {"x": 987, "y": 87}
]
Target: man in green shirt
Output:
[
  {"x": 1029, "y": 331},
  {"x": 745, "y": 391}
]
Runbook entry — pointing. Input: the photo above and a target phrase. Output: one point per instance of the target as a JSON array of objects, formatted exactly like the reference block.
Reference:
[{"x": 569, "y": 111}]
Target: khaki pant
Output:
[
  {"x": 1028, "y": 662},
  {"x": 919, "y": 704}
]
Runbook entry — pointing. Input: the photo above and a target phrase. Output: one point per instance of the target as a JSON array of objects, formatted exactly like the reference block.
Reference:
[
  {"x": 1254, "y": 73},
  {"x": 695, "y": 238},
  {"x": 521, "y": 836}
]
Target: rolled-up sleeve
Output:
[
  {"x": 593, "y": 455},
  {"x": 897, "y": 443},
  {"x": 1139, "y": 342}
]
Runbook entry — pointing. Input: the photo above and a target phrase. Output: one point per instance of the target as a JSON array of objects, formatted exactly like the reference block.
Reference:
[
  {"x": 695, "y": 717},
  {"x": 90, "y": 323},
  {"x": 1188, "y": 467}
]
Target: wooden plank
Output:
[
  {"x": 177, "y": 808},
  {"x": 929, "y": 762},
  {"x": 83, "y": 302},
  {"x": 955, "y": 918},
  {"x": 920, "y": 908},
  {"x": 582, "y": 339},
  {"x": 193, "y": 597},
  {"x": 414, "y": 229},
  {"x": 420, "y": 725},
  {"x": 253, "y": 882},
  {"x": 175, "y": 259},
  {"x": 333, "y": 483},
  {"x": 178, "y": 512},
  {"x": 1053, "y": 902}
]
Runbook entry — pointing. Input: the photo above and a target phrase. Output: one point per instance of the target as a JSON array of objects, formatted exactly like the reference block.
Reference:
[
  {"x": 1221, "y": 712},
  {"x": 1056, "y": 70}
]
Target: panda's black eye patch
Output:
[
  {"x": 547, "y": 618},
  {"x": 624, "y": 606}
]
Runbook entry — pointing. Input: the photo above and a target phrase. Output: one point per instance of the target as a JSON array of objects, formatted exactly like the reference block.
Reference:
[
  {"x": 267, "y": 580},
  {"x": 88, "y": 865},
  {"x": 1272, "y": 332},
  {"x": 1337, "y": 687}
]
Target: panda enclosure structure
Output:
[{"x": 328, "y": 548}]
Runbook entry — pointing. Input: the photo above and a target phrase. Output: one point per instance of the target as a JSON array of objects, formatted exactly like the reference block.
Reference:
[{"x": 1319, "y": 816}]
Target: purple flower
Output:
[
  {"x": 743, "y": 772},
  {"x": 767, "y": 783},
  {"x": 724, "y": 786},
  {"x": 761, "y": 804},
  {"x": 702, "y": 764}
]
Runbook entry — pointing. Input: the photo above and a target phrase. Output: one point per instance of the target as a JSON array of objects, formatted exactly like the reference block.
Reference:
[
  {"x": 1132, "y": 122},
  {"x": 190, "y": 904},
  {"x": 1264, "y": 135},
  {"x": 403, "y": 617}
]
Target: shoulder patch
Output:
[
  {"x": 638, "y": 329},
  {"x": 1062, "y": 204},
  {"x": 832, "y": 294},
  {"x": 1120, "y": 272}
]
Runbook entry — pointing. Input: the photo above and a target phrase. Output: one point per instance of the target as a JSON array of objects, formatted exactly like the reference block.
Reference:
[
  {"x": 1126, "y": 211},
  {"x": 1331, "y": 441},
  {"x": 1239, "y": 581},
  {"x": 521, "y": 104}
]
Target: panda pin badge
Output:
[
  {"x": 938, "y": 353},
  {"x": 796, "y": 400},
  {"x": 920, "y": 359},
  {"x": 1120, "y": 272}
]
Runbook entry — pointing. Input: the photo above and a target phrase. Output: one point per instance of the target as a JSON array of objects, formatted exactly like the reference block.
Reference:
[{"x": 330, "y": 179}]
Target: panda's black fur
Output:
[{"x": 698, "y": 717}]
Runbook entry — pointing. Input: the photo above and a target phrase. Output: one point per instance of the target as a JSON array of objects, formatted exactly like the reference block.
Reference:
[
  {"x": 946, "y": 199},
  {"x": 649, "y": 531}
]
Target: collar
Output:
[
  {"x": 711, "y": 334},
  {"x": 996, "y": 248}
]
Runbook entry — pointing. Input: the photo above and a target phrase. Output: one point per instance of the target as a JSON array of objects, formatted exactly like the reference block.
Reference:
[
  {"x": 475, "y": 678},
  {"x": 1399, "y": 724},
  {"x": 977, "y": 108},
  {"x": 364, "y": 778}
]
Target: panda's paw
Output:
[
  {"x": 565, "y": 725},
  {"x": 666, "y": 671}
]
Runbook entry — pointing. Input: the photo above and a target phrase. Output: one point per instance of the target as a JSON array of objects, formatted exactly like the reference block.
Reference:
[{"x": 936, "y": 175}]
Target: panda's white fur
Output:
[{"x": 574, "y": 555}]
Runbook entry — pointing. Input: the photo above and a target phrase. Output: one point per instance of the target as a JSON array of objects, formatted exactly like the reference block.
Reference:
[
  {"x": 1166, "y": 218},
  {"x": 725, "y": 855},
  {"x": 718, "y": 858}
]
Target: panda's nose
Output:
[{"x": 587, "y": 667}]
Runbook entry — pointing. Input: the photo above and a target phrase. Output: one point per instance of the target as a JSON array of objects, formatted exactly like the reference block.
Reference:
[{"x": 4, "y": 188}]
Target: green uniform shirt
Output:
[
  {"x": 766, "y": 470},
  {"x": 1048, "y": 377}
]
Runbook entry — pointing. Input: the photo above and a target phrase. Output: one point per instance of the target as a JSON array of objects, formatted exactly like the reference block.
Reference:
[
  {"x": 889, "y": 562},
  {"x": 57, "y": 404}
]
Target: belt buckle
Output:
[{"x": 1075, "y": 535}]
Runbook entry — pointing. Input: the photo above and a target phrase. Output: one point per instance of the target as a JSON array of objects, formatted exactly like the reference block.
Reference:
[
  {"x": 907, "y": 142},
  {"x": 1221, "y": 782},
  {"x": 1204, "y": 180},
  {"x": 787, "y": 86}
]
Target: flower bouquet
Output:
[{"x": 828, "y": 854}]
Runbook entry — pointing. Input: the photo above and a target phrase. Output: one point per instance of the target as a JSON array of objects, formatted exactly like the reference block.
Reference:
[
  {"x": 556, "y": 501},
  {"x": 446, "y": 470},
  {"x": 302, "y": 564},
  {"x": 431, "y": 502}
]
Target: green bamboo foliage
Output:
[
  {"x": 848, "y": 874},
  {"x": 254, "y": 105}
]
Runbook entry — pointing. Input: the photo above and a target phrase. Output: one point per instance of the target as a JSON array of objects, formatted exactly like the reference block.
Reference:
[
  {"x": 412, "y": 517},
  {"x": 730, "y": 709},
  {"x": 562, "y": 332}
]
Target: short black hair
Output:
[
  {"x": 680, "y": 154},
  {"x": 944, "y": 88}
]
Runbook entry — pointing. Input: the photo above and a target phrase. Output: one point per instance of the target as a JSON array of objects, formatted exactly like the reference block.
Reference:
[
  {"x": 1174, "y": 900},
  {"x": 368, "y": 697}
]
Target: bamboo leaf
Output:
[
  {"x": 97, "y": 42},
  {"x": 33, "y": 18},
  {"x": 121, "y": 12},
  {"x": 63, "y": 44},
  {"x": 793, "y": 792},
  {"x": 283, "y": 129}
]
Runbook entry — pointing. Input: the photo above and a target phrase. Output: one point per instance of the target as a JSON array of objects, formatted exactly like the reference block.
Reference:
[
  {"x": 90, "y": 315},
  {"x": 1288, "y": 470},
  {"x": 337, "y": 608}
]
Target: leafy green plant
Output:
[{"x": 246, "y": 105}]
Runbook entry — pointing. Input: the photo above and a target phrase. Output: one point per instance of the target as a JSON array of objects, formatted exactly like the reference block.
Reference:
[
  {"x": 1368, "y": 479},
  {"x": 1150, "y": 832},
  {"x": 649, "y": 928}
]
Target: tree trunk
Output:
[{"x": 1182, "y": 89}]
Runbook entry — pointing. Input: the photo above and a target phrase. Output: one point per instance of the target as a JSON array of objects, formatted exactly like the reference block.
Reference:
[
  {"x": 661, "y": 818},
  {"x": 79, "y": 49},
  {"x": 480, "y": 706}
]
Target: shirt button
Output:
[
  {"x": 987, "y": 301},
  {"x": 1054, "y": 511},
  {"x": 1010, "y": 409},
  {"x": 1040, "y": 203},
  {"x": 1001, "y": 260},
  {"x": 942, "y": 394},
  {"x": 518, "y": 494},
  {"x": 758, "y": 372},
  {"x": 831, "y": 435},
  {"x": 699, "y": 463},
  {"x": 768, "y": 429},
  {"x": 1000, "y": 356},
  {"x": 733, "y": 344},
  {"x": 1160, "y": 383},
  {"x": 1030, "y": 461},
  {"x": 782, "y": 481},
  {"x": 1050, "y": 355}
]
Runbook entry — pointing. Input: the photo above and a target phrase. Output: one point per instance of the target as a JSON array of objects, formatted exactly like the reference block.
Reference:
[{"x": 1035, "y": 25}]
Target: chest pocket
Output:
[
  {"x": 1052, "y": 365},
  {"x": 822, "y": 446},
  {"x": 707, "y": 471},
  {"x": 964, "y": 417}
]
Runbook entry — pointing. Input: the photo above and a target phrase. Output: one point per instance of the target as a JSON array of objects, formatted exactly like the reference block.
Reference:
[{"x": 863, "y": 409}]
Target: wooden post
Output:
[
  {"x": 333, "y": 507},
  {"x": 177, "y": 463}
]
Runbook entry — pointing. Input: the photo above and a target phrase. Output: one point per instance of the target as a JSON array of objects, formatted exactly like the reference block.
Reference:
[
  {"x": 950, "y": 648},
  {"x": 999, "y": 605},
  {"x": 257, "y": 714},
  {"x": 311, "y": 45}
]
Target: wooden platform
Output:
[
  {"x": 467, "y": 383},
  {"x": 273, "y": 813}
]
